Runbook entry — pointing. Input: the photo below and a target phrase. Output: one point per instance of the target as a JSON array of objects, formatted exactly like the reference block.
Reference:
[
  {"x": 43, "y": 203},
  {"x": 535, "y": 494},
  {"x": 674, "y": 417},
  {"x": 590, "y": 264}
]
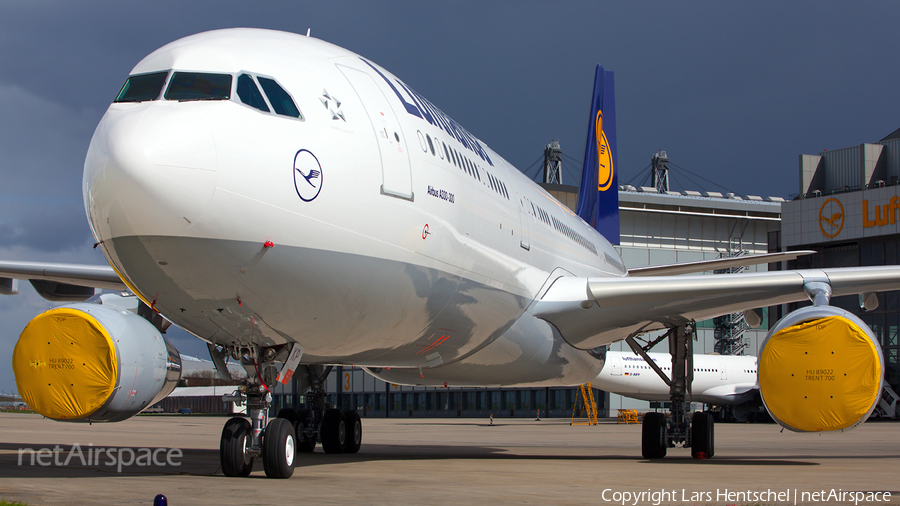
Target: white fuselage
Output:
[
  {"x": 414, "y": 245},
  {"x": 718, "y": 379}
]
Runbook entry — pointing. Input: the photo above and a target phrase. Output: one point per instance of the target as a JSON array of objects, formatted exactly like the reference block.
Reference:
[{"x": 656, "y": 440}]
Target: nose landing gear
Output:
[
  {"x": 244, "y": 440},
  {"x": 279, "y": 441}
]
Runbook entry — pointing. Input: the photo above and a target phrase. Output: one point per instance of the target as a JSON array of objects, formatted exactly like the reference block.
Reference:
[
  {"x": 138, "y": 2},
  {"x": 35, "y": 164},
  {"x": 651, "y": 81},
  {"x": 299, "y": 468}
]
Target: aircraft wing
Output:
[
  {"x": 592, "y": 312},
  {"x": 718, "y": 263},
  {"x": 59, "y": 282}
]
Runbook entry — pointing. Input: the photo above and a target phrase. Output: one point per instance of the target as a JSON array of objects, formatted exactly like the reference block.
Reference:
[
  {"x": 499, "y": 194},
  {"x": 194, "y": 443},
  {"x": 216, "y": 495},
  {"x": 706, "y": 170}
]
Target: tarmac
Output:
[{"x": 447, "y": 462}]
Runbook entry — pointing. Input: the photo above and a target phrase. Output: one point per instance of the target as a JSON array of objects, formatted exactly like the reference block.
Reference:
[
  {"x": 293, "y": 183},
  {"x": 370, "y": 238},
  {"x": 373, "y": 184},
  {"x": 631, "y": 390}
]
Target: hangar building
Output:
[{"x": 847, "y": 209}]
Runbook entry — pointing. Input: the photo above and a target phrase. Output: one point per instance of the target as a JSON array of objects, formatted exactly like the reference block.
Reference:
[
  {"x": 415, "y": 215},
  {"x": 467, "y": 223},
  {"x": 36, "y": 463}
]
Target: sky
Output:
[{"x": 732, "y": 91}]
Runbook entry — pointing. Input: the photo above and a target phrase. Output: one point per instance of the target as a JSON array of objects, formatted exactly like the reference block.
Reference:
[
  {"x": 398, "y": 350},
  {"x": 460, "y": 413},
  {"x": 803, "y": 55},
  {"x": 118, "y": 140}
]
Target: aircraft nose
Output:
[{"x": 150, "y": 170}]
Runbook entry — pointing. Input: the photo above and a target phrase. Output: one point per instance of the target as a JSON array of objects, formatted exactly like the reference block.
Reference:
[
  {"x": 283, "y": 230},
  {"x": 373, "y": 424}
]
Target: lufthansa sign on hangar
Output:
[{"x": 841, "y": 217}]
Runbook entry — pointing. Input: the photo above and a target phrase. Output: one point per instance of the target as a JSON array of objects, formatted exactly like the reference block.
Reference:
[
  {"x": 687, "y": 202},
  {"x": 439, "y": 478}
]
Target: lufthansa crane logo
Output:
[
  {"x": 605, "y": 169},
  {"x": 831, "y": 218},
  {"x": 307, "y": 175}
]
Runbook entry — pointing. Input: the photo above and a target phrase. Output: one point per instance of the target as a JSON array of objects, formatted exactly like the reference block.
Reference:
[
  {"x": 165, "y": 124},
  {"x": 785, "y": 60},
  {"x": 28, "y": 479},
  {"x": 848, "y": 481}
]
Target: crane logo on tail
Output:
[{"x": 605, "y": 169}]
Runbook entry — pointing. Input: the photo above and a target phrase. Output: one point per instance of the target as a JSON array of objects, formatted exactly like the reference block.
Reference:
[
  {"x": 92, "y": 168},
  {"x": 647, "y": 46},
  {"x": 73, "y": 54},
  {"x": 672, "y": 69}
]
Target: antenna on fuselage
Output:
[{"x": 308, "y": 30}]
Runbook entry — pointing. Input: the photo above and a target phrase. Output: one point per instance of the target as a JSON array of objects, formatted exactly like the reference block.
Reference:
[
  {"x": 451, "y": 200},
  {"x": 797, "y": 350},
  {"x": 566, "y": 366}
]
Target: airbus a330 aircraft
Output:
[{"x": 298, "y": 206}]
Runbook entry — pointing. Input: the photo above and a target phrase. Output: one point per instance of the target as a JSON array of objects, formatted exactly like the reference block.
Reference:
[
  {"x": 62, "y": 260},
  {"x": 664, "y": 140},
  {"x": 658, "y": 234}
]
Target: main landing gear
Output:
[
  {"x": 659, "y": 433},
  {"x": 340, "y": 431},
  {"x": 278, "y": 441}
]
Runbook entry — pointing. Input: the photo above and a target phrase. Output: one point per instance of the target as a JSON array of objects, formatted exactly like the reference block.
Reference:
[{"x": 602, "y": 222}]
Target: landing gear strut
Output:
[{"x": 695, "y": 432}]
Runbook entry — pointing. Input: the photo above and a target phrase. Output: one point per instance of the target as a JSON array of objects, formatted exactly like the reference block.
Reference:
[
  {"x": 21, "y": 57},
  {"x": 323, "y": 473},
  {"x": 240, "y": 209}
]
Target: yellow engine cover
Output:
[
  {"x": 65, "y": 364},
  {"x": 823, "y": 374}
]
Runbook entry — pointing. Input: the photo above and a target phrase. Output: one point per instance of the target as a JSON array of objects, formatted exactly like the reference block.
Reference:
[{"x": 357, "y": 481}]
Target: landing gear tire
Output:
[
  {"x": 702, "y": 435},
  {"x": 654, "y": 436},
  {"x": 334, "y": 431},
  {"x": 354, "y": 431},
  {"x": 233, "y": 454},
  {"x": 279, "y": 447}
]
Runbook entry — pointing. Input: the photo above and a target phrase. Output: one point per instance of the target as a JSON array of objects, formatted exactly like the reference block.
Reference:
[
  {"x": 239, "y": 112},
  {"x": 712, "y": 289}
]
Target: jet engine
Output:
[
  {"x": 820, "y": 368},
  {"x": 91, "y": 363}
]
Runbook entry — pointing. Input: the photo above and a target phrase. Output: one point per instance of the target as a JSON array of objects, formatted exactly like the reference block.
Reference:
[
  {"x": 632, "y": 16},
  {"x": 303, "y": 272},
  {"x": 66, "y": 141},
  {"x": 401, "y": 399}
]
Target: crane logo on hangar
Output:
[{"x": 831, "y": 218}]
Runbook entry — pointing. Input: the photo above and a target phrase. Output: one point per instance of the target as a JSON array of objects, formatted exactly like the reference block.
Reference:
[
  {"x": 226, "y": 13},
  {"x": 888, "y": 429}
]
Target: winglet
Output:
[{"x": 598, "y": 197}]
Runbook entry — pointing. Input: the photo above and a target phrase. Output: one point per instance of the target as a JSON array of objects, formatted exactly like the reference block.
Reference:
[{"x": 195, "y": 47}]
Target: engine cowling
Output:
[
  {"x": 91, "y": 363},
  {"x": 820, "y": 369}
]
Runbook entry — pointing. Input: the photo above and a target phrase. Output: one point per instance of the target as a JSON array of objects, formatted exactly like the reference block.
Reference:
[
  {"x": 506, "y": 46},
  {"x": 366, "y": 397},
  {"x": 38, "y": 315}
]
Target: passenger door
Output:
[{"x": 395, "y": 165}]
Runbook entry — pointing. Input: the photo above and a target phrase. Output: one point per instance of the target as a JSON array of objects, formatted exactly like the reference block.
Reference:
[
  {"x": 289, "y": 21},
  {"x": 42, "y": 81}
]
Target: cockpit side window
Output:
[
  {"x": 279, "y": 98},
  {"x": 185, "y": 86},
  {"x": 249, "y": 93},
  {"x": 142, "y": 88}
]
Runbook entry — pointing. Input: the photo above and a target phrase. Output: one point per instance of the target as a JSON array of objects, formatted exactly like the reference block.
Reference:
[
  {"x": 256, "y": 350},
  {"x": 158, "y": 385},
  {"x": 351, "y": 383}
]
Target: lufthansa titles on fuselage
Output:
[{"x": 422, "y": 108}]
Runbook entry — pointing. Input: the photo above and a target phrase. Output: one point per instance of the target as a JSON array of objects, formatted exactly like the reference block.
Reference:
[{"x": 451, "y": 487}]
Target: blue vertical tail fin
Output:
[{"x": 598, "y": 198}]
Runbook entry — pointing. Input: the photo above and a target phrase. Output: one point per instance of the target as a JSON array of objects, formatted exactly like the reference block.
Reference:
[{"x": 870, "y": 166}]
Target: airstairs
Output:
[
  {"x": 730, "y": 328},
  {"x": 889, "y": 403},
  {"x": 584, "y": 406}
]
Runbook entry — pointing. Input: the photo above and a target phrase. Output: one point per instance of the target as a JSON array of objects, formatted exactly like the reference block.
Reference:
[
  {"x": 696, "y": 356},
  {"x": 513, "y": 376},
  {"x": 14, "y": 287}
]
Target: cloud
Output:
[
  {"x": 43, "y": 145},
  {"x": 46, "y": 226}
]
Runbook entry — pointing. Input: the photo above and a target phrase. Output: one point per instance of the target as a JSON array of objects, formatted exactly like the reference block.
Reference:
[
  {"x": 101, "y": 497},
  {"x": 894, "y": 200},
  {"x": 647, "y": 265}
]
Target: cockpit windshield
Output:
[
  {"x": 186, "y": 86},
  {"x": 142, "y": 88},
  {"x": 249, "y": 93},
  {"x": 279, "y": 98},
  {"x": 194, "y": 86}
]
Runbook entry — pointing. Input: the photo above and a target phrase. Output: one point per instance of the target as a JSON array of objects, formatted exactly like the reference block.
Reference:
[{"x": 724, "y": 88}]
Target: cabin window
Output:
[
  {"x": 279, "y": 98},
  {"x": 249, "y": 93},
  {"x": 142, "y": 88},
  {"x": 187, "y": 86}
]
